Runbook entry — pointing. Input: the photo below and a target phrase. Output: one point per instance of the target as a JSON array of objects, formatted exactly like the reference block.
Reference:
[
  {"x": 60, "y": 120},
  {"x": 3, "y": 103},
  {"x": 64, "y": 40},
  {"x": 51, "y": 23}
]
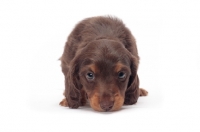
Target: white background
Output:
[{"x": 32, "y": 37}]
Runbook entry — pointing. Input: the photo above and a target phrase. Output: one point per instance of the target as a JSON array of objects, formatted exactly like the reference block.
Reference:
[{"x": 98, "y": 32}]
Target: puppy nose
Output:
[{"x": 107, "y": 105}]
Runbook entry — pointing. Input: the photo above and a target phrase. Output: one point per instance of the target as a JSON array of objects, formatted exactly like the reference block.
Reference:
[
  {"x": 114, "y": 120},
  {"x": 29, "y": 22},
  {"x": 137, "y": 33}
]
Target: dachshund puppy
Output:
[{"x": 100, "y": 63}]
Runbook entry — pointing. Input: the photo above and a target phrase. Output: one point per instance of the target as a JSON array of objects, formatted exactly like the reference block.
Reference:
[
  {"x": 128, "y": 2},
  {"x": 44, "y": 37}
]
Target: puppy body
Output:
[{"x": 100, "y": 62}]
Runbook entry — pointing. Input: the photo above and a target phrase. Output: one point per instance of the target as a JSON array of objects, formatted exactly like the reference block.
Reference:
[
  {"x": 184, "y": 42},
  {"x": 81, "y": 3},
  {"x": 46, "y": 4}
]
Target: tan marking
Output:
[
  {"x": 119, "y": 101},
  {"x": 64, "y": 103},
  {"x": 118, "y": 67},
  {"x": 143, "y": 92},
  {"x": 94, "y": 102},
  {"x": 94, "y": 68},
  {"x": 94, "y": 99}
]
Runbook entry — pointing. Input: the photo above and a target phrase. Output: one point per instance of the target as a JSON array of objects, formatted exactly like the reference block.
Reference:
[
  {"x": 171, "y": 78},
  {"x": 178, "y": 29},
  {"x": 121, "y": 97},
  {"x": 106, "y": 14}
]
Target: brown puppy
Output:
[{"x": 100, "y": 62}]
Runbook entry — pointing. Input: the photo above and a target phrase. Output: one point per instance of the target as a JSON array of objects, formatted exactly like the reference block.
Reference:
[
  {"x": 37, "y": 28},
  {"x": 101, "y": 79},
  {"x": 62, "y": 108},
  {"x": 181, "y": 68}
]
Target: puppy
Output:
[{"x": 100, "y": 63}]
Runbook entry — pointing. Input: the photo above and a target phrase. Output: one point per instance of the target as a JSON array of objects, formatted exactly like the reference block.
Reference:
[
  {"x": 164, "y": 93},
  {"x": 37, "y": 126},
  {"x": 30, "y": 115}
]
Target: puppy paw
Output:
[
  {"x": 64, "y": 103},
  {"x": 143, "y": 92}
]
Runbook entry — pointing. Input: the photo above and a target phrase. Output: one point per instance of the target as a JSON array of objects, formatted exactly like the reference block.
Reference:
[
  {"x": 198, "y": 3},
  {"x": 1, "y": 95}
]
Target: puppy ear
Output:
[
  {"x": 72, "y": 85},
  {"x": 132, "y": 92}
]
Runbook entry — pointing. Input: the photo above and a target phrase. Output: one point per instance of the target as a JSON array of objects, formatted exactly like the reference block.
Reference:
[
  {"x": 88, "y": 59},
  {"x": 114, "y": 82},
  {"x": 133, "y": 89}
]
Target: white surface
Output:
[{"x": 32, "y": 37}]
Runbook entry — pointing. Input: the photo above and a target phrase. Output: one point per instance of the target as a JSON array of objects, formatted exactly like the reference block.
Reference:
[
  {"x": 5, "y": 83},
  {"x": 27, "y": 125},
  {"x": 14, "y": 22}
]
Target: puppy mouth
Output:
[
  {"x": 105, "y": 104},
  {"x": 102, "y": 106}
]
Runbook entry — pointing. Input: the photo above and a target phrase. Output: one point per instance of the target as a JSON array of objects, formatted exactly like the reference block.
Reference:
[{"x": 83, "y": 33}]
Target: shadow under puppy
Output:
[{"x": 100, "y": 63}]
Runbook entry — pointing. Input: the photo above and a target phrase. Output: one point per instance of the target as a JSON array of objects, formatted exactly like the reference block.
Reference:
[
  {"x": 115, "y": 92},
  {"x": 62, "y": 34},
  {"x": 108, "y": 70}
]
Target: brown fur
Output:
[{"x": 104, "y": 47}]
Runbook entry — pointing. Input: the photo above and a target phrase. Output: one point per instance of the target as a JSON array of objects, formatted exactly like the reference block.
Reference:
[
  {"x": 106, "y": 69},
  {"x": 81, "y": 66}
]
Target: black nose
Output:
[{"x": 107, "y": 105}]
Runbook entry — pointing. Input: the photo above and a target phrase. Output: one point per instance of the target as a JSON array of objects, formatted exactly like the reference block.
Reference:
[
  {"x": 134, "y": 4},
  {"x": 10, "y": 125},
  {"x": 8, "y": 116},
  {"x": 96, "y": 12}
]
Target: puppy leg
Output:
[
  {"x": 64, "y": 103},
  {"x": 65, "y": 71},
  {"x": 143, "y": 92}
]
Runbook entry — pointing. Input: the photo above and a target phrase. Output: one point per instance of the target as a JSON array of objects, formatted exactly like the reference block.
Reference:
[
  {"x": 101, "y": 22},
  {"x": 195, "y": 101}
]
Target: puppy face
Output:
[{"x": 104, "y": 74}]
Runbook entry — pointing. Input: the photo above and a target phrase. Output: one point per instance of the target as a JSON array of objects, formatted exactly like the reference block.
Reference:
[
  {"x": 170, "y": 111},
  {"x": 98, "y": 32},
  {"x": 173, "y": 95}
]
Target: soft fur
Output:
[{"x": 101, "y": 47}]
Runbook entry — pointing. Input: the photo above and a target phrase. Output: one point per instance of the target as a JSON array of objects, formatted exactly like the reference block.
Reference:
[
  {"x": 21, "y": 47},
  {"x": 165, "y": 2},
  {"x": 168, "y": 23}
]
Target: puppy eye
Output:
[
  {"x": 121, "y": 75},
  {"x": 90, "y": 76}
]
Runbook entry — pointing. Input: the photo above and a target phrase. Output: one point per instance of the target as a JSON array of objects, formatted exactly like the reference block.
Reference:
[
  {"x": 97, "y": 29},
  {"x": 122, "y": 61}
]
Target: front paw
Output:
[
  {"x": 143, "y": 92},
  {"x": 64, "y": 103}
]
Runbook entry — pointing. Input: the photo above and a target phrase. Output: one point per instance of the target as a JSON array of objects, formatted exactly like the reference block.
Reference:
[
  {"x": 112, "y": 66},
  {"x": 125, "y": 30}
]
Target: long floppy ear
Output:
[
  {"x": 72, "y": 85},
  {"x": 132, "y": 92}
]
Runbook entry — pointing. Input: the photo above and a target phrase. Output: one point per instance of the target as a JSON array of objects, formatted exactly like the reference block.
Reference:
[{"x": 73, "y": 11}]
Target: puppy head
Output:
[{"x": 105, "y": 70}]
